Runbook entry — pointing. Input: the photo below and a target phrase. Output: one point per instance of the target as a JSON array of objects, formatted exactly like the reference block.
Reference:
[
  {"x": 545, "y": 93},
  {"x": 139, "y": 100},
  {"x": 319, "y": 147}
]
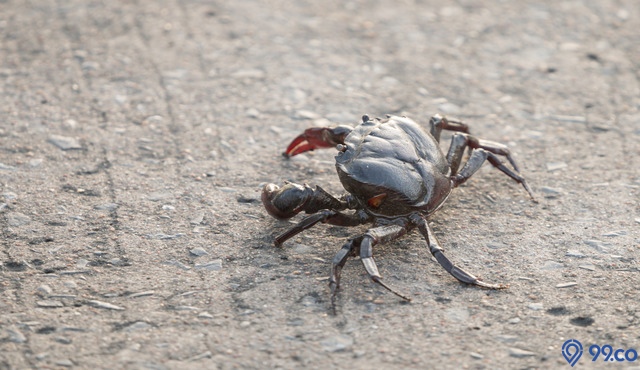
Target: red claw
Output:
[{"x": 316, "y": 138}]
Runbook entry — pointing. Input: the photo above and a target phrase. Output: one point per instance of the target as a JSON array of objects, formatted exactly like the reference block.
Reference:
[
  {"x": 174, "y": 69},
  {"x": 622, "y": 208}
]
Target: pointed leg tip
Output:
[{"x": 378, "y": 280}]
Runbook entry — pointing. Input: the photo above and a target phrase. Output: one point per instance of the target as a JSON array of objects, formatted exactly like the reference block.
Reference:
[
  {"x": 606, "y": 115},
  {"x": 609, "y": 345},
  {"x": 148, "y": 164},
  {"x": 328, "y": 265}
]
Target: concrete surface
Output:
[{"x": 135, "y": 136}]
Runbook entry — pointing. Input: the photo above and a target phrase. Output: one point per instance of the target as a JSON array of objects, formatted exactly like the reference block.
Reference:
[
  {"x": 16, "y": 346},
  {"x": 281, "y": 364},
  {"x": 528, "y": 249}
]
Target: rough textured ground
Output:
[{"x": 174, "y": 114}]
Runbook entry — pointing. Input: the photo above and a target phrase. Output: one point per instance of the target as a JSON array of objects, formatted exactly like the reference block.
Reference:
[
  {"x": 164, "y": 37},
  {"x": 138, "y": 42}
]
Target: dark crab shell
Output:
[{"x": 393, "y": 167}]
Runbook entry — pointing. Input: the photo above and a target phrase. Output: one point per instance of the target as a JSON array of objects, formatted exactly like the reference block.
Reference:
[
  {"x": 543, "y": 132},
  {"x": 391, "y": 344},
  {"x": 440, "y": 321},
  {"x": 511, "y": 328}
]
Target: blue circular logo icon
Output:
[{"x": 572, "y": 351}]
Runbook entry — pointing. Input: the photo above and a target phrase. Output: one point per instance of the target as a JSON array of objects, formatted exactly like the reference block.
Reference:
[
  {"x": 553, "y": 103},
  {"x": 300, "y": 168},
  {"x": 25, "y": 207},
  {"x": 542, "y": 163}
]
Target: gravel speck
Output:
[
  {"x": 566, "y": 285},
  {"x": 49, "y": 304},
  {"x": 615, "y": 233},
  {"x": 64, "y": 142},
  {"x": 106, "y": 207},
  {"x": 177, "y": 264},
  {"x": 337, "y": 343},
  {"x": 215, "y": 265},
  {"x": 554, "y": 166},
  {"x": 15, "y": 335},
  {"x": 552, "y": 265},
  {"x": 576, "y": 254},
  {"x": 536, "y": 306},
  {"x": 598, "y": 245},
  {"x": 141, "y": 294},
  {"x": 198, "y": 252},
  {"x": 105, "y": 305},
  {"x": 520, "y": 353},
  {"x": 17, "y": 219}
]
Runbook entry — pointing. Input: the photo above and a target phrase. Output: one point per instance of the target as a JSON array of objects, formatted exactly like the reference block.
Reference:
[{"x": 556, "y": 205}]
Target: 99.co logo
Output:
[{"x": 572, "y": 351}]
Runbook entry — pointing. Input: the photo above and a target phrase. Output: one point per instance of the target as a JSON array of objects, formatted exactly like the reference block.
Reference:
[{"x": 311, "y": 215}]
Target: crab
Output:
[{"x": 396, "y": 176}]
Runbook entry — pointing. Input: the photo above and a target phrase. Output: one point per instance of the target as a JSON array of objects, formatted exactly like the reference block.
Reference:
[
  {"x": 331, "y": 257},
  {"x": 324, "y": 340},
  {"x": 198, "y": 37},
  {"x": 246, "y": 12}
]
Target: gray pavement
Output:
[{"x": 135, "y": 137}]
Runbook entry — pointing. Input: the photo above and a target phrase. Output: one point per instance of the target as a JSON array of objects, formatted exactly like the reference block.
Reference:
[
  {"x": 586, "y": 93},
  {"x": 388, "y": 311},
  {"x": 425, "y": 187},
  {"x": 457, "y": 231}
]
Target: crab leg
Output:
[
  {"x": 437, "y": 251},
  {"x": 326, "y": 216},
  {"x": 380, "y": 234},
  {"x": 477, "y": 158},
  {"x": 348, "y": 249}
]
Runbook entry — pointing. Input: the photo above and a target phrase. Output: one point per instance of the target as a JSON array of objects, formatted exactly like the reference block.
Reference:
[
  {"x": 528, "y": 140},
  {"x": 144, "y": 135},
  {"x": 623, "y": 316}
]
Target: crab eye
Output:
[{"x": 376, "y": 201}]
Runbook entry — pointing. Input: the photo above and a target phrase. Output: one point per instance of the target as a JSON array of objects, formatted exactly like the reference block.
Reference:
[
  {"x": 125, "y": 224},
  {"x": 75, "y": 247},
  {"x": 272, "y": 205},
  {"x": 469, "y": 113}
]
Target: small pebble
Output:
[
  {"x": 41, "y": 356},
  {"x": 15, "y": 335},
  {"x": 205, "y": 315},
  {"x": 138, "y": 325},
  {"x": 554, "y": 166},
  {"x": 449, "y": 108},
  {"x": 206, "y": 354},
  {"x": 199, "y": 229},
  {"x": 63, "y": 340},
  {"x": 536, "y": 306},
  {"x": 6, "y": 167},
  {"x": 504, "y": 338},
  {"x": 496, "y": 245},
  {"x": 44, "y": 290},
  {"x": 215, "y": 265},
  {"x": 35, "y": 162},
  {"x": 49, "y": 304},
  {"x": 64, "y": 363},
  {"x": 566, "y": 285},
  {"x": 161, "y": 236},
  {"x": 598, "y": 245},
  {"x": 62, "y": 296},
  {"x": 17, "y": 219},
  {"x": 576, "y": 254},
  {"x": 477, "y": 356},
  {"x": 515, "y": 320},
  {"x": 74, "y": 272},
  {"x": 275, "y": 129},
  {"x": 141, "y": 294},
  {"x": 197, "y": 218},
  {"x": 82, "y": 263},
  {"x": 10, "y": 195},
  {"x": 157, "y": 196},
  {"x": 64, "y": 142},
  {"x": 337, "y": 343},
  {"x": 589, "y": 267},
  {"x": 248, "y": 198},
  {"x": 252, "y": 113},
  {"x": 457, "y": 314},
  {"x": 564, "y": 118},
  {"x": 306, "y": 114},
  {"x": 178, "y": 264},
  {"x": 550, "y": 192},
  {"x": 520, "y": 353},
  {"x": 615, "y": 233},
  {"x": 105, "y": 305},
  {"x": 106, "y": 207},
  {"x": 198, "y": 252},
  {"x": 552, "y": 265},
  {"x": 185, "y": 308}
]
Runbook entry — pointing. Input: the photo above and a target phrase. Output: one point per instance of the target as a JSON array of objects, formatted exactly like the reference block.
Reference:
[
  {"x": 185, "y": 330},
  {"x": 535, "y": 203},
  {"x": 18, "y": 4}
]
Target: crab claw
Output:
[
  {"x": 287, "y": 201},
  {"x": 316, "y": 138}
]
